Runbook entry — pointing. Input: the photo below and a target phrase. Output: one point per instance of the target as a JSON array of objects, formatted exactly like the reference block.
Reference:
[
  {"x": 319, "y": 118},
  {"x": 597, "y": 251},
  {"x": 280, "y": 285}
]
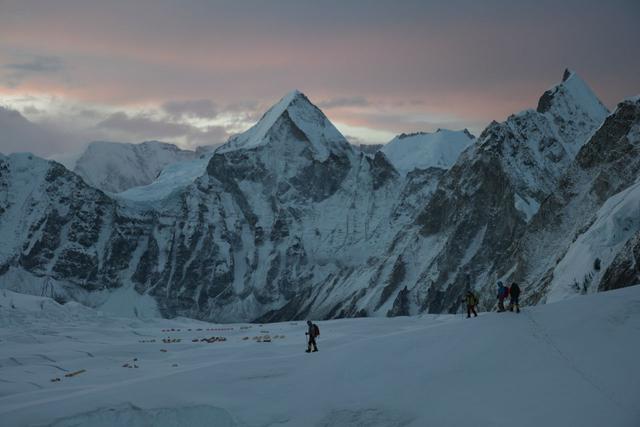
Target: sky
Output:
[{"x": 194, "y": 72}]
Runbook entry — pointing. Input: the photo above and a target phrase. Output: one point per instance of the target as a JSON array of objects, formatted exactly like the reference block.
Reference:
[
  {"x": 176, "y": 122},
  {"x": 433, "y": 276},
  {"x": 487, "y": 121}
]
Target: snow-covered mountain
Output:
[
  {"x": 278, "y": 210},
  {"x": 288, "y": 220},
  {"x": 423, "y": 150},
  {"x": 293, "y": 117},
  {"x": 116, "y": 167},
  {"x": 590, "y": 216},
  {"x": 484, "y": 203}
]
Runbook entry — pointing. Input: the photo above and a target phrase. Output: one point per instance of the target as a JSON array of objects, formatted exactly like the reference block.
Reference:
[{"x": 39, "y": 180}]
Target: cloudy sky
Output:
[{"x": 194, "y": 72}]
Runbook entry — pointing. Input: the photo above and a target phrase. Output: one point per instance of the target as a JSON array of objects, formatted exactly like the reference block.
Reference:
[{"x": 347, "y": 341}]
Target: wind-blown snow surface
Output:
[
  {"x": 569, "y": 363},
  {"x": 423, "y": 150}
]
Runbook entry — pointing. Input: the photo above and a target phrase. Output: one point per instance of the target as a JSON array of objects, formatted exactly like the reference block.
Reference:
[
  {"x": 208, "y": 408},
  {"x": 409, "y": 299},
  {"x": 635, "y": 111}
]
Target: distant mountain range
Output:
[{"x": 288, "y": 220}]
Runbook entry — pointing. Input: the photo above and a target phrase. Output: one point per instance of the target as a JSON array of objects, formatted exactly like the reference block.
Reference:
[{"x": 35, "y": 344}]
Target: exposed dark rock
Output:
[
  {"x": 382, "y": 171},
  {"x": 625, "y": 269},
  {"x": 400, "y": 304},
  {"x": 397, "y": 276}
]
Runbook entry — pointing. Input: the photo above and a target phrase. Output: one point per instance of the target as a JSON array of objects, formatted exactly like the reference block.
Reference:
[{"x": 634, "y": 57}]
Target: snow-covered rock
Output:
[
  {"x": 582, "y": 211},
  {"x": 484, "y": 203},
  {"x": 574, "y": 105},
  {"x": 264, "y": 225},
  {"x": 423, "y": 150}
]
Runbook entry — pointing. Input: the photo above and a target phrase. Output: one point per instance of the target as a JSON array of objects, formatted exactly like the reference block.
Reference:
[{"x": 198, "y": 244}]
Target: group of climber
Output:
[
  {"x": 512, "y": 292},
  {"x": 504, "y": 292}
]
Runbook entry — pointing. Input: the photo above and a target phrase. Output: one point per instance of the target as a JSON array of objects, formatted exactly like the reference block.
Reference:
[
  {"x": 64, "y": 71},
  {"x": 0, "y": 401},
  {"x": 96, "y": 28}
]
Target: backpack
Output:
[
  {"x": 471, "y": 299},
  {"x": 316, "y": 330},
  {"x": 515, "y": 290}
]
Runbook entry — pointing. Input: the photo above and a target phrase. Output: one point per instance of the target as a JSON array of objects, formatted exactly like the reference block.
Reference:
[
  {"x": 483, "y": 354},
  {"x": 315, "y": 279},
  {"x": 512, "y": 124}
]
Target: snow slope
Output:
[
  {"x": 172, "y": 179},
  {"x": 423, "y": 150},
  {"x": 617, "y": 221},
  {"x": 115, "y": 167},
  {"x": 569, "y": 363}
]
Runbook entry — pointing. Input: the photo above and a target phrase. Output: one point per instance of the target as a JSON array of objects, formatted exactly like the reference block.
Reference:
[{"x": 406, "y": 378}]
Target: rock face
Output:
[
  {"x": 289, "y": 221},
  {"x": 625, "y": 267},
  {"x": 53, "y": 223},
  {"x": 114, "y": 167}
]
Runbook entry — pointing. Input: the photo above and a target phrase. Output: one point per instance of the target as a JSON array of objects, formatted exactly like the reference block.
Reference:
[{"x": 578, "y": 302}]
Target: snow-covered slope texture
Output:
[
  {"x": 617, "y": 221},
  {"x": 423, "y": 150},
  {"x": 115, "y": 167},
  {"x": 570, "y": 363},
  {"x": 172, "y": 179}
]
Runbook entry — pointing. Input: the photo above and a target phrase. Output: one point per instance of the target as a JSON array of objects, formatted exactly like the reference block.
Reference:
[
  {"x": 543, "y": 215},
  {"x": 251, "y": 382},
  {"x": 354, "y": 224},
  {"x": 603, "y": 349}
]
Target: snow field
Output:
[{"x": 568, "y": 363}]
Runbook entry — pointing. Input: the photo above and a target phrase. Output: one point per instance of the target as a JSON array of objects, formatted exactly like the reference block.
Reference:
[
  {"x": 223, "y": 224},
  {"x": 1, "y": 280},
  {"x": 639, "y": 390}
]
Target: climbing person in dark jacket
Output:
[
  {"x": 471, "y": 301},
  {"x": 502, "y": 295},
  {"x": 312, "y": 332},
  {"x": 514, "y": 291}
]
